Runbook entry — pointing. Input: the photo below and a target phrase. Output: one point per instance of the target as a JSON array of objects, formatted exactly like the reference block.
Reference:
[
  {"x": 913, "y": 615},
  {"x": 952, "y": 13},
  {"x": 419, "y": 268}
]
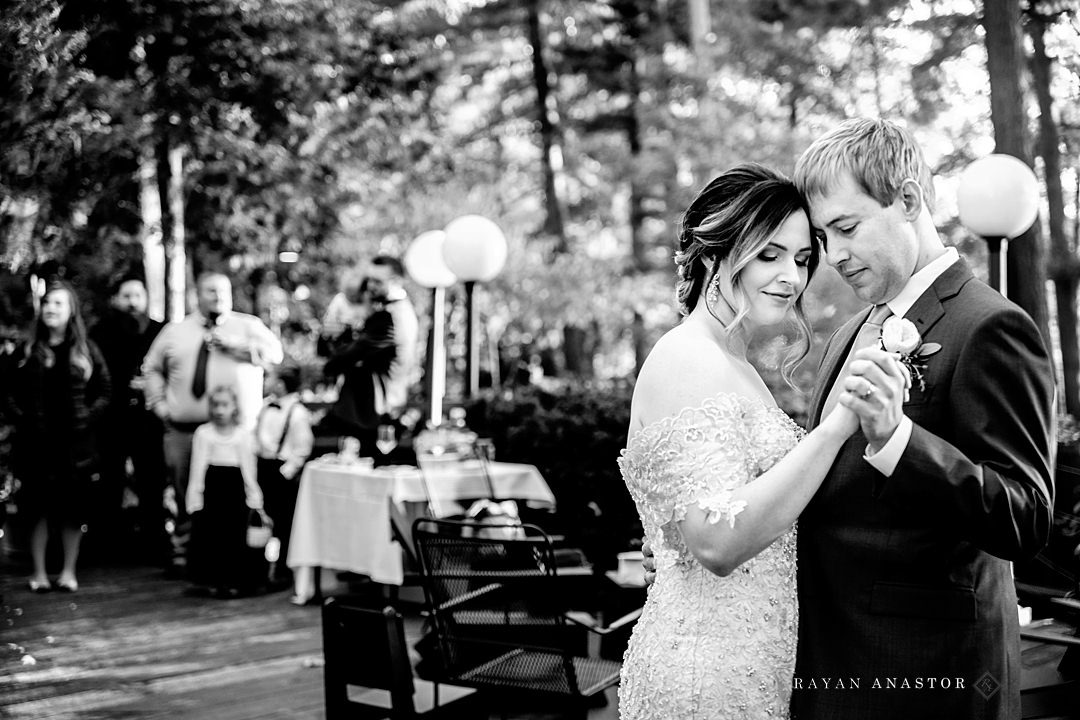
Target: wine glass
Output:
[
  {"x": 348, "y": 448},
  {"x": 386, "y": 439},
  {"x": 485, "y": 449}
]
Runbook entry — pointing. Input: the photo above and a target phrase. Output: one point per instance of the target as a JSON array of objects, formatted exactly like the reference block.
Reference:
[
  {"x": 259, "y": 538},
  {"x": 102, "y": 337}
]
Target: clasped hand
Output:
[
  {"x": 228, "y": 345},
  {"x": 875, "y": 389}
]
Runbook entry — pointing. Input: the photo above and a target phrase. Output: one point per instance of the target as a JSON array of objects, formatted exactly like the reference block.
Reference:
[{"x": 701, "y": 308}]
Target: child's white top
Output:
[{"x": 231, "y": 447}]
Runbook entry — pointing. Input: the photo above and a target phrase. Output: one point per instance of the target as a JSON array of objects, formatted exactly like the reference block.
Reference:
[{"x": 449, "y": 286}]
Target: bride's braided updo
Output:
[{"x": 725, "y": 227}]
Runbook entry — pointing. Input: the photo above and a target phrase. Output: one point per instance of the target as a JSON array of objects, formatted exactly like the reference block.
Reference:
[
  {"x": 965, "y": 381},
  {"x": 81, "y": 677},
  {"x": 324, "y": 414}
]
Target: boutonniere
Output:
[{"x": 901, "y": 336}]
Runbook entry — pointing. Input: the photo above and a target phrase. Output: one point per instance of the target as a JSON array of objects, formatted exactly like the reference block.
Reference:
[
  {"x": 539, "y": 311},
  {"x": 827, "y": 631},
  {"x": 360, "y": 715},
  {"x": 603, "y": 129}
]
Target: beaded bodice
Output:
[{"x": 709, "y": 646}]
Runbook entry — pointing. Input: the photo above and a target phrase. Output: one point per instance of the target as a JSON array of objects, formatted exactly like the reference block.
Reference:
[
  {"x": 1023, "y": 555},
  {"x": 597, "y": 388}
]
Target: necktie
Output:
[
  {"x": 198, "y": 384},
  {"x": 868, "y": 334}
]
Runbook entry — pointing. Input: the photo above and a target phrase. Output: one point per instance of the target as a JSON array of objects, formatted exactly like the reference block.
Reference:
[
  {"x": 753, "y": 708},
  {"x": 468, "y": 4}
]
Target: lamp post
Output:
[
  {"x": 424, "y": 263},
  {"x": 475, "y": 251},
  {"x": 997, "y": 199}
]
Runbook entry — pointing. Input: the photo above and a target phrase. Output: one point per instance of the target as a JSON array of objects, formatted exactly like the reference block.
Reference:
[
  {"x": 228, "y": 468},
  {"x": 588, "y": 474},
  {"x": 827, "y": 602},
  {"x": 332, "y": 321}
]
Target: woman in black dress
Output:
[{"x": 60, "y": 390}]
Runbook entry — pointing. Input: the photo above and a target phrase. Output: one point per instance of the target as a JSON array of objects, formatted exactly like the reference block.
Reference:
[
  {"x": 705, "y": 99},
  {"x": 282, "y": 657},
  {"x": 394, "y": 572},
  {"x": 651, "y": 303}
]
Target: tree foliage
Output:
[{"x": 347, "y": 128}]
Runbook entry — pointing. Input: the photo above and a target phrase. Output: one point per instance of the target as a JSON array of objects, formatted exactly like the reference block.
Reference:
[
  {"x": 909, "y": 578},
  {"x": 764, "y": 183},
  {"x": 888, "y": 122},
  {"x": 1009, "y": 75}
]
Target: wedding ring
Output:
[{"x": 869, "y": 391}]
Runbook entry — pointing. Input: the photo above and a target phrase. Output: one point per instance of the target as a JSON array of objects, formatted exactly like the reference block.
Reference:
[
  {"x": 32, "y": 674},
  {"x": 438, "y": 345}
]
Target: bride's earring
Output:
[{"x": 713, "y": 295}]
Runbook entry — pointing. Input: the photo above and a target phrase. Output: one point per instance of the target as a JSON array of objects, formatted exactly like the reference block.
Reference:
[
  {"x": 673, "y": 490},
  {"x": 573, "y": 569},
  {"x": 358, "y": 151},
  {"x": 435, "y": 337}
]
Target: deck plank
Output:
[{"x": 135, "y": 645}]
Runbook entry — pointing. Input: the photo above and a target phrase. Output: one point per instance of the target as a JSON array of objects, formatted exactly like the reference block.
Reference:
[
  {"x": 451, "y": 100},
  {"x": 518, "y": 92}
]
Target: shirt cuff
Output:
[{"x": 887, "y": 458}]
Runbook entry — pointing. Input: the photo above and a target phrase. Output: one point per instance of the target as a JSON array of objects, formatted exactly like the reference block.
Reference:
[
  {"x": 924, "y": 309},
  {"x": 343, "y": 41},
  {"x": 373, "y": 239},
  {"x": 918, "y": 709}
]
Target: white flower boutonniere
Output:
[{"x": 902, "y": 337}]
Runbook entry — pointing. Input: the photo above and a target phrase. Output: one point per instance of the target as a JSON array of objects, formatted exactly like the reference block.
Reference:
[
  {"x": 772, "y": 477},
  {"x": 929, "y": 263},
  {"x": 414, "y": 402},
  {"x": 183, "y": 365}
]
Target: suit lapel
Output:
[
  {"x": 928, "y": 309},
  {"x": 835, "y": 354},
  {"x": 925, "y": 313}
]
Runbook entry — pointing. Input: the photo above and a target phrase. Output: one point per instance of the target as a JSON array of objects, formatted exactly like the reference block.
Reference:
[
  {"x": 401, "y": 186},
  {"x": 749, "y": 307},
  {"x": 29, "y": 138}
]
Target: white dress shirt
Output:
[
  {"x": 404, "y": 365},
  {"x": 886, "y": 459},
  {"x": 169, "y": 366},
  {"x": 296, "y": 447},
  {"x": 343, "y": 313}
]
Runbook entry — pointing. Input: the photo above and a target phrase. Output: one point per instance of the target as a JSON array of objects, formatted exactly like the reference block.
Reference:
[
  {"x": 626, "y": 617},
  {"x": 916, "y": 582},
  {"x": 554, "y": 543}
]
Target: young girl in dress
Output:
[{"x": 222, "y": 493}]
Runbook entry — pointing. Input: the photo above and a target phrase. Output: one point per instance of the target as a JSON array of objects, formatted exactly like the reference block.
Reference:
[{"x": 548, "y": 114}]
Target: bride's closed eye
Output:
[{"x": 800, "y": 260}]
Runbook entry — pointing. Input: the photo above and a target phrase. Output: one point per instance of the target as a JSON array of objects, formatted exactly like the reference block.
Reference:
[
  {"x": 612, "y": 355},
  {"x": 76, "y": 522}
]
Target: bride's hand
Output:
[
  {"x": 648, "y": 562},
  {"x": 842, "y": 421}
]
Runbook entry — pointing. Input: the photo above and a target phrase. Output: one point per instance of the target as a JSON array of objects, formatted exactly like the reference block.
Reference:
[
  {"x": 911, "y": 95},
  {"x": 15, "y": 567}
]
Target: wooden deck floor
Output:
[{"x": 132, "y": 644}]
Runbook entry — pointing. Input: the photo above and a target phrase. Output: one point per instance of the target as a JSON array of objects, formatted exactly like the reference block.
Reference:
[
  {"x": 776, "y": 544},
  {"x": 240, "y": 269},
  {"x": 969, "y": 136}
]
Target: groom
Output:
[{"x": 906, "y": 597}]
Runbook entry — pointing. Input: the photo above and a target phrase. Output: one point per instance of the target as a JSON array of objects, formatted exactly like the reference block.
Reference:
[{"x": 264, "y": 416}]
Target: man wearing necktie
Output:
[
  {"x": 904, "y": 553},
  {"x": 210, "y": 347}
]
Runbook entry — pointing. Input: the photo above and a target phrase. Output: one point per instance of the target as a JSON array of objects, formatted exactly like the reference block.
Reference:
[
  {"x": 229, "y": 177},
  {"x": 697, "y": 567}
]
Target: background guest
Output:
[
  {"x": 221, "y": 492},
  {"x": 210, "y": 347},
  {"x": 60, "y": 392},
  {"x": 130, "y": 431},
  {"x": 378, "y": 365},
  {"x": 283, "y": 440},
  {"x": 345, "y": 313}
]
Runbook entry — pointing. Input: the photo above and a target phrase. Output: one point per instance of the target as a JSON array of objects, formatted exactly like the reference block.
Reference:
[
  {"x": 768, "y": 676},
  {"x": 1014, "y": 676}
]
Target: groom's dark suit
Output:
[{"x": 908, "y": 576}]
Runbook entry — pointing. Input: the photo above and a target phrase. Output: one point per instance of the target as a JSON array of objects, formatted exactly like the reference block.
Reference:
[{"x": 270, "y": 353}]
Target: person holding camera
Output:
[{"x": 376, "y": 361}]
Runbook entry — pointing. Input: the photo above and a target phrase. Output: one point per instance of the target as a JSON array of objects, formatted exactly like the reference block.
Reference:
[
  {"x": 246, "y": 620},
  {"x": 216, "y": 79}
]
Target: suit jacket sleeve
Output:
[
  {"x": 373, "y": 346},
  {"x": 993, "y": 482}
]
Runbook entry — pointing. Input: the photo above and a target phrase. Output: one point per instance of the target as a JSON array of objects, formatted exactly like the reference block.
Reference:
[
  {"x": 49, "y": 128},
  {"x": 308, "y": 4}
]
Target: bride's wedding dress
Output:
[{"x": 709, "y": 647}]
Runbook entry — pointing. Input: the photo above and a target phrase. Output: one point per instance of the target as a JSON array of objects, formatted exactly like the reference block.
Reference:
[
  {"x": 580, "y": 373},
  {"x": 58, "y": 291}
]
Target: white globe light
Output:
[
  {"x": 424, "y": 260},
  {"x": 475, "y": 248},
  {"x": 998, "y": 196}
]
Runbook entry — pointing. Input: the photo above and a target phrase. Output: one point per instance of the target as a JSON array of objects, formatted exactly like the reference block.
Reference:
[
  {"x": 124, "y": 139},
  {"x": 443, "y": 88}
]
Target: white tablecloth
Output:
[{"x": 342, "y": 518}]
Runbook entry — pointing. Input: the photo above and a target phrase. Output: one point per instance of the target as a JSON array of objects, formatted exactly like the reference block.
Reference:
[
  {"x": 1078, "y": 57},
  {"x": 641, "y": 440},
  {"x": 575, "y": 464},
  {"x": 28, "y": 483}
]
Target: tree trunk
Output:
[
  {"x": 638, "y": 252},
  {"x": 153, "y": 247},
  {"x": 164, "y": 181},
  {"x": 579, "y": 348},
  {"x": 169, "y": 160},
  {"x": 553, "y": 214},
  {"x": 1066, "y": 271},
  {"x": 700, "y": 26},
  {"x": 641, "y": 346},
  {"x": 1026, "y": 270}
]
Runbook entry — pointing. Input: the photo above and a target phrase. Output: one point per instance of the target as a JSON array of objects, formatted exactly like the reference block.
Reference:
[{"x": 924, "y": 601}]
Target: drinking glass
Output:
[
  {"x": 386, "y": 439},
  {"x": 485, "y": 449}
]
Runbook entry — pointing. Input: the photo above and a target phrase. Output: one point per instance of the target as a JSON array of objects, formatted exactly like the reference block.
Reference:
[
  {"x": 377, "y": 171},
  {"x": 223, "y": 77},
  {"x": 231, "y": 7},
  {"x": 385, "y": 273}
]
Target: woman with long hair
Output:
[
  {"x": 718, "y": 472},
  {"x": 60, "y": 391}
]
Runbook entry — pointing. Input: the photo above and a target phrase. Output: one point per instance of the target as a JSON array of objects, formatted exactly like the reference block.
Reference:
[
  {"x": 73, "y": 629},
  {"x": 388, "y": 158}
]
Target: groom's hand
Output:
[{"x": 875, "y": 392}]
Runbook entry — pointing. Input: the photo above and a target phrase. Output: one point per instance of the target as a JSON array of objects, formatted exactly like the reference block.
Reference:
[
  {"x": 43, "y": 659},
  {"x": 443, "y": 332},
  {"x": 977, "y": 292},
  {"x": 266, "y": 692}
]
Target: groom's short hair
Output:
[{"x": 879, "y": 154}]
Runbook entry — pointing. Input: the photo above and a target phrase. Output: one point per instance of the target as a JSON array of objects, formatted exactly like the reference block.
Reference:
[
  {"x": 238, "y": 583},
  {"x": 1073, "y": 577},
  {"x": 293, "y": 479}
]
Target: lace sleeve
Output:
[{"x": 699, "y": 457}]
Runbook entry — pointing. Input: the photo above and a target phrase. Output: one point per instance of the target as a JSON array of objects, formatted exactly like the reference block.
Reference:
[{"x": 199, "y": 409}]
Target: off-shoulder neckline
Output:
[{"x": 710, "y": 401}]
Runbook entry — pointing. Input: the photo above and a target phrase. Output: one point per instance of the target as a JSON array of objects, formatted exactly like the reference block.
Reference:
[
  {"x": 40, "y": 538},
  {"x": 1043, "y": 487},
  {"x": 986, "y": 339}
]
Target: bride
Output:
[{"x": 718, "y": 472}]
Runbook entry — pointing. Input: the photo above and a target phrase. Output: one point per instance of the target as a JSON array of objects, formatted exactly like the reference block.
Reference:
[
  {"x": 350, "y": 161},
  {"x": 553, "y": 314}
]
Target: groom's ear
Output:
[{"x": 911, "y": 199}]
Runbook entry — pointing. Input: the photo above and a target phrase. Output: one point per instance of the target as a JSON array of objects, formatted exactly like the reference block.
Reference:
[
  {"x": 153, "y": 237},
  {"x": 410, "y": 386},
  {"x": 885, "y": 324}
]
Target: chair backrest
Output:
[
  {"x": 487, "y": 589},
  {"x": 365, "y": 647}
]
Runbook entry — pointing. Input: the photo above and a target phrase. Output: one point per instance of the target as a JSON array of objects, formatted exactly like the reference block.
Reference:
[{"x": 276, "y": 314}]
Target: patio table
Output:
[{"x": 343, "y": 512}]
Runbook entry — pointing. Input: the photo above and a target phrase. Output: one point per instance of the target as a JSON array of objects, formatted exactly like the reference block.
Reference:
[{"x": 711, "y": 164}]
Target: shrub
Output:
[{"x": 573, "y": 434}]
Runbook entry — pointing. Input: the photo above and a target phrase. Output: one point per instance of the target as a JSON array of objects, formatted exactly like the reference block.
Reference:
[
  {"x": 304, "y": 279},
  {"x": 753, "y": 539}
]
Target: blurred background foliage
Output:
[{"x": 344, "y": 128}]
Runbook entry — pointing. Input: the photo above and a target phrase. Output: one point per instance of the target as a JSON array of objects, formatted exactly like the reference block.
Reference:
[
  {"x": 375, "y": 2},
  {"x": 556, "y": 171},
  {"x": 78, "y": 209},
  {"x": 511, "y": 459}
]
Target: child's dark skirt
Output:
[{"x": 219, "y": 556}]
